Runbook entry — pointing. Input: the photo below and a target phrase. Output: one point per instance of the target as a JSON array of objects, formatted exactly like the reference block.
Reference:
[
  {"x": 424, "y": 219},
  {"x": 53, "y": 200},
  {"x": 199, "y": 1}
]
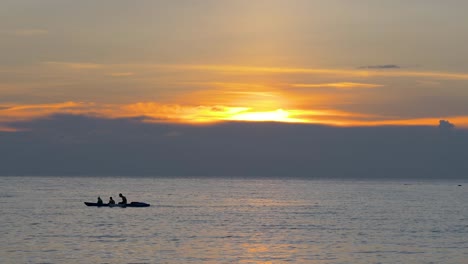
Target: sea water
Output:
[{"x": 44, "y": 220}]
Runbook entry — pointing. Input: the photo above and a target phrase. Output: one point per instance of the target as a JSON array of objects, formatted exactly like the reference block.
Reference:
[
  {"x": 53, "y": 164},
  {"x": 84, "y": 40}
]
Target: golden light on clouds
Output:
[
  {"x": 338, "y": 85},
  {"x": 318, "y": 71},
  {"x": 183, "y": 93},
  {"x": 154, "y": 112},
  {"x": 14, "y": 113},
  {"x": 236, "y": 69}
]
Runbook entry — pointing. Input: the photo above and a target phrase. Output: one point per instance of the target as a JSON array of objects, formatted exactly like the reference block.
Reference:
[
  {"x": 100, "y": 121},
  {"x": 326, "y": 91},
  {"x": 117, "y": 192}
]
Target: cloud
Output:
[
  {"x": 380, "y": 67},
  {"x": 338, "y": 85},
  {"x": 428, "y": 83},
  {"x": 8, "y": 129},
  {"x": 83, "y": 145},
  {"x": 76, "y": 65},
  {"x": 445, "y": 124},
  {"x": 153, "y": 112},
  {"x": 173, "y": 134},
  {"x": 12, "y": 113},
  {"x": 233, "y": 69},
  {"x": 365, "y": 72}
]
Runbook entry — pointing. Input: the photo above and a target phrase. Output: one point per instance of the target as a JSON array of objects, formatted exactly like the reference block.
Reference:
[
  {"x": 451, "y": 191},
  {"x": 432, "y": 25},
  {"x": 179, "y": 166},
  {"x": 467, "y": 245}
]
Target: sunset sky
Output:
[{"x": 335, "y": 62}]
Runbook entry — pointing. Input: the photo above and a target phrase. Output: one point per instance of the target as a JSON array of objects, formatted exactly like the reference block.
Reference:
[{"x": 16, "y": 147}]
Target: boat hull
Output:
[{"x": 132, "y": 204}]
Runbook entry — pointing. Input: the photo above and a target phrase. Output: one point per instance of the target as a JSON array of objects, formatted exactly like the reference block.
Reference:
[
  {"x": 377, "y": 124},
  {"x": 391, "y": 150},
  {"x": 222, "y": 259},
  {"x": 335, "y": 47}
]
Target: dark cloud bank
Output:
[{"x": 77, "y": 145}]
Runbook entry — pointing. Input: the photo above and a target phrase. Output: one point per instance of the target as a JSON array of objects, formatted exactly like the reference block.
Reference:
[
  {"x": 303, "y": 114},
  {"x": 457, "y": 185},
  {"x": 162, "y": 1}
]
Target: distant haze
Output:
[{"x": 77, "y": 145}]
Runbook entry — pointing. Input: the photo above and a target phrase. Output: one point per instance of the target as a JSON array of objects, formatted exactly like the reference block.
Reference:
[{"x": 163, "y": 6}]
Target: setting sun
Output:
[{"x": 279, "y": 115}]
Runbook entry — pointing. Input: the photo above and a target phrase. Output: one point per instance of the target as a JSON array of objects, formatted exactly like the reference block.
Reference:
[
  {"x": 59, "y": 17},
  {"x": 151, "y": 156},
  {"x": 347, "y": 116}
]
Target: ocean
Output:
[{"x": 230, "y": 220}]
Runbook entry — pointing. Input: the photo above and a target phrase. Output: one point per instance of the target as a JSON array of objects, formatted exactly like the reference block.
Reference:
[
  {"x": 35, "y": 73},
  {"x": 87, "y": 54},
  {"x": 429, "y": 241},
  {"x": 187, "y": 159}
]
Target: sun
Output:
[{"x": 278, "y": 115}]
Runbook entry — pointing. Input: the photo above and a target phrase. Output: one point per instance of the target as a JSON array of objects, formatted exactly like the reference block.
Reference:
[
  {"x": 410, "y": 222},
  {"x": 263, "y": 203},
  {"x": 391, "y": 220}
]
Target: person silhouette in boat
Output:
[
  {"x": 99, "y": 200},
  {"x": 111, "y": 201},
  {"x": 124, "y": 199}
]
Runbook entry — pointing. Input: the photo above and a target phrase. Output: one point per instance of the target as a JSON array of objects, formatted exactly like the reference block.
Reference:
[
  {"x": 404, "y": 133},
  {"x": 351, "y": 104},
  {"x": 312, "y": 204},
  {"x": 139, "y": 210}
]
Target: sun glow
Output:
[
  {"x": 204, "y": 114},
  {"x": 279, "y": 115}
]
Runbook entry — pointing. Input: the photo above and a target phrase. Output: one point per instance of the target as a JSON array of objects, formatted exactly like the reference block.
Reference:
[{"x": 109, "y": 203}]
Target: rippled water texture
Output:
[{"x": 44, "y": 220}]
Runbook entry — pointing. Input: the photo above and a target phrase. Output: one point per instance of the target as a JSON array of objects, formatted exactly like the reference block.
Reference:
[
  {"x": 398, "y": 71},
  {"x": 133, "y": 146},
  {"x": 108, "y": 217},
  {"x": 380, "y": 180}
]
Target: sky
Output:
[
  {"x": 135, "y": 81},
  {"x": 334, "y": 62}
]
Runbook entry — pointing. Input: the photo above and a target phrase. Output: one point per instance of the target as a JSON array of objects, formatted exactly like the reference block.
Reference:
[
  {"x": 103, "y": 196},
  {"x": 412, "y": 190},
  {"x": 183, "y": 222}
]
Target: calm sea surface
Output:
[{"x": 44, "y": 220}]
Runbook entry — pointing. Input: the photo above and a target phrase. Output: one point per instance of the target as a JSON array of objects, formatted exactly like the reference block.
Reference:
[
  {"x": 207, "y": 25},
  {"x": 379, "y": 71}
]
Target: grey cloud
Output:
[
  {"x": 381, "y": 67},
  {"x": 445, "y": 124},
  {"x": 78, "y": 145}
]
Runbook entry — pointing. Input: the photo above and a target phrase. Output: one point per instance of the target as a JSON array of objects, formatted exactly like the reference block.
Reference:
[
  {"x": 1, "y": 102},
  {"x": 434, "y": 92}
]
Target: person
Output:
[
  {"x": 111, "y": 201},
  {"x": 124, "y": 199},
  {"x": 99, "y": 200}
]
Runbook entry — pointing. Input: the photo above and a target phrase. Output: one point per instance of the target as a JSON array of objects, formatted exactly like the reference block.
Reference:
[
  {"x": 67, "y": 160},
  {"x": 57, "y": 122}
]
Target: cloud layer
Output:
[
  {"x": 80, "y": 145},
  {"x": 153, "y": 112},
  {"x": 381, "y": 67}
]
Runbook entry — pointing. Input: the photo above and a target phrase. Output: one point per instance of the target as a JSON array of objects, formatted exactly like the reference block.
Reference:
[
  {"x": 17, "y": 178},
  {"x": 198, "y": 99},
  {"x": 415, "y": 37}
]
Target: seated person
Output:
[
  {"x": 124, "y": 199},
  {"x": 99, "y": 200},
  {"x": 111, "y": 201}
]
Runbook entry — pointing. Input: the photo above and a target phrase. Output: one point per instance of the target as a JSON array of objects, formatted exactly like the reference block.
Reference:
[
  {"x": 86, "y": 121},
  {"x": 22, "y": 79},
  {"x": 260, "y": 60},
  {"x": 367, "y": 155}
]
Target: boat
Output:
[{"x": 132, "y": 204}]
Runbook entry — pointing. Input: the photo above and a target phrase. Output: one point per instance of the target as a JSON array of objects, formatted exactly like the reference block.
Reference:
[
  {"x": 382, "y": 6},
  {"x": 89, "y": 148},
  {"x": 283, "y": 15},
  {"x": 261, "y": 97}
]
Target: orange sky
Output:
[
  {"x": 172, "y": 113},
  {"x": 327, "y": 62}
]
